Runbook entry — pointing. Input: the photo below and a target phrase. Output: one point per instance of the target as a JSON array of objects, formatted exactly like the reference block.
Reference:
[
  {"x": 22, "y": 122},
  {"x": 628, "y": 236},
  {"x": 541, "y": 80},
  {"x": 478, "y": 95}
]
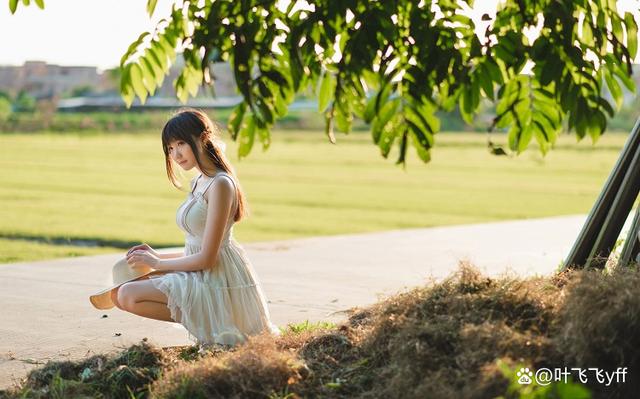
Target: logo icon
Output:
[{"x": 524, "y": 376}]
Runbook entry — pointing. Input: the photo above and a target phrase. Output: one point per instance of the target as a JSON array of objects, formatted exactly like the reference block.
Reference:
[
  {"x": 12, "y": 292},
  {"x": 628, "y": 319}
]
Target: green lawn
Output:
[{"x": 112, "y": 188}]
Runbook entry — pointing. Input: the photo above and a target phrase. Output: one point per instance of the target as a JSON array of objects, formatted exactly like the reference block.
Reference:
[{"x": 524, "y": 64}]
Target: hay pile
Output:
[{"x": 444, "y": 340}]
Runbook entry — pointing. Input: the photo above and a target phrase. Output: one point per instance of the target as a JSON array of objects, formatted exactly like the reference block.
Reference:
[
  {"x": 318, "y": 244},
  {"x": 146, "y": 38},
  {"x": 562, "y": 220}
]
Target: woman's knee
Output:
[
  {"x": 114, "y": 297},
  {"x": 125, "y": 296}
]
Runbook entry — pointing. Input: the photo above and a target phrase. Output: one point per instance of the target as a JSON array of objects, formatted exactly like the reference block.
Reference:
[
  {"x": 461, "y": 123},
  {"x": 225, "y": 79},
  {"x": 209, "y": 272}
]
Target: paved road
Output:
[{"x": 46, "y": 314}]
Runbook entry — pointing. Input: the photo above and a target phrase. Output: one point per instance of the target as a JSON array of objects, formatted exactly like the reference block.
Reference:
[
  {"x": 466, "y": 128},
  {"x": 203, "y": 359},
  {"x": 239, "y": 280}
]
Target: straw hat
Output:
[{"x": 122, "y": 273}]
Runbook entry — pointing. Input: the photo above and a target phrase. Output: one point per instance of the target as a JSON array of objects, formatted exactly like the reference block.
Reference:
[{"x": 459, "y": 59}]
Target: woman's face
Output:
[{"x": 181, "y": 153}]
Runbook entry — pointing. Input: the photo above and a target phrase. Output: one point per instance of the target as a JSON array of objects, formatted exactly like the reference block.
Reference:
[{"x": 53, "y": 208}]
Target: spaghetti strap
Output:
[
  {"x": 195, "y": 183},
  {"x": 215, "y": 177}
]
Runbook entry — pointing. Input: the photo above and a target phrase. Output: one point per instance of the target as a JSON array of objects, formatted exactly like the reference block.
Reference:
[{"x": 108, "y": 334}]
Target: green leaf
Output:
[
  {"x": 151, "y": 6},
  {"x": 265, "y": 91},
  {"x": 343, "y": 119},
  {"x": 587, "y": 32},
  {"x": 150, "y": 61},
  {"x": 403, "y": 147},
  {"x": 180, "y": 86},
  {"x": 132, "y": 48},
  {"x": 597, "y": 125},
  {"x": 157, "y": 54},
  {"x": 581, "y": 117},
  {"x": 383, "y": 95},
  {"x": 277, "y": 78},
  {"x": 551, "y": 71},
  {"x": 265, "y": 138},
  {"x": 424, "y": 120},
  {"x": 485, "y": 81},
  {"x": 126, "y": 91},
  {"x": 418, "y": 142},
  {"x": 127, "y": 96},
  {"x": 169, "y": 50},
  {"x": 266, "y": 111},
  {"x": 606, "y": 106},
  {"x": 513, "y": 137},
  {"x": 137, "y": 82},
  {"x": 235, "y": 119},
  {"x": 614, "y": 88},
  {"x": 388, "y": 136},
  {"x": 494, "y": 71},
  {"x": 188, "y": 83},
  {"x": 40, "y": 4},
  {"x": 383, "y": 118},
  {"x": 475, "y": 93},
  {"x": 626, "y": 80},
  {"x": 281, "y": 105},
  {"x": 417, "y": 125},
  {"x": 247, "y": 134},
  {"x": 13, "y": 5},
  {"x": 465, "y": 104},
  {"x": 632, "y": 34},
  {"x": 525, "y": 137},
  {"x": 327, "y": 89},
  {"x": 541, "y": 137},
  {"x": 616, "y": 25},
  {"x": 148, "y": 75},
  {"x": 370, "y": 110}
]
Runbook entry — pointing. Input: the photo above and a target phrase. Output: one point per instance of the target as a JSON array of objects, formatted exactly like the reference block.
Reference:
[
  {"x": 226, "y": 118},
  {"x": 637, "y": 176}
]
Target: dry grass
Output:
[
  {"x": 599, "y": 324},
  {"x": 446, "y": 339}
]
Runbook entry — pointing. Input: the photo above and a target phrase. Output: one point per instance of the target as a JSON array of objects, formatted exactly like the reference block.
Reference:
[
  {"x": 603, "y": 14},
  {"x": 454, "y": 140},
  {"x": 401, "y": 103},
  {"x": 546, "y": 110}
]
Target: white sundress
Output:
[{"x": 219, "y": 305}]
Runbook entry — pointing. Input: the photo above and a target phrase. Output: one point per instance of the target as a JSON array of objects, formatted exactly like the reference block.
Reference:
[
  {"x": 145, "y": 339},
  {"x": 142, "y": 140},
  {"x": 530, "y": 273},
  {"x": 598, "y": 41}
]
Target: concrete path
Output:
[{"x": 46, "y": 314}]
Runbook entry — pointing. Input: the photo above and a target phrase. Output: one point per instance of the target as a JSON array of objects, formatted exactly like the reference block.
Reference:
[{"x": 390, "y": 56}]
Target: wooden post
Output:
[
  {"x": 604, "y": 221},
  {"x": 617, "y": 215},
  {"x": 631, "y": 246}
]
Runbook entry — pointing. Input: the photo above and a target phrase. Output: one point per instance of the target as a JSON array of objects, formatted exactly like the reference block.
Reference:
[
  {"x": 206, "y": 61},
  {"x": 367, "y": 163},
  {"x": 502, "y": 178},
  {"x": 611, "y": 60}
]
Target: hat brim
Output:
[{"x": 102, "y": 300}]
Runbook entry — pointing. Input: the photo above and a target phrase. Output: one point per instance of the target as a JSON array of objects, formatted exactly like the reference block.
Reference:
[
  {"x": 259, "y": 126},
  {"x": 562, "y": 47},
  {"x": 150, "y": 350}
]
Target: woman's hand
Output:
[
  {"x": 140, "y": 258},
  {"x": 144, "y": 247}
]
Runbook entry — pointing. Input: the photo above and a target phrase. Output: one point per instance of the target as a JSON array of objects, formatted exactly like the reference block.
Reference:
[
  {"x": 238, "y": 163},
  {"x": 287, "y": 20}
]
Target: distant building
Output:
[{"x": 42, "y": 80}]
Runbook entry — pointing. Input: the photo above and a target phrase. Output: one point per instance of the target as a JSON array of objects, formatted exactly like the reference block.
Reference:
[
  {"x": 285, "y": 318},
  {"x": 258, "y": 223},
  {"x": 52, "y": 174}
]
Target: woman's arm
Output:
[
  {"x": 154, "y": 252},
  {"x": 171, "y": 255},
  {"x": 220, "y": 198}
]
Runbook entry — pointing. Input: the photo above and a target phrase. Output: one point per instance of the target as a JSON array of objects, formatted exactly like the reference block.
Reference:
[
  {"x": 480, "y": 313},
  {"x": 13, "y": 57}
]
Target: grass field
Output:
[{"x": 111, "y": 189}]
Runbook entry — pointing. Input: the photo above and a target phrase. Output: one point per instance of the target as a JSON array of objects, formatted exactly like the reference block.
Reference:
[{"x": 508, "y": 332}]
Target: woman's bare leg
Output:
[
  {"x": 143, "y": 299},
  {"x": 114, "y": 298}
]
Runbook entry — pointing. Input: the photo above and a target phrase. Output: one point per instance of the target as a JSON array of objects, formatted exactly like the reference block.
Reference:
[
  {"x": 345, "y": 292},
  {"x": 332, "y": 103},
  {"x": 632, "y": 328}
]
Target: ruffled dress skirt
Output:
[{"x": 222, "y": 305}]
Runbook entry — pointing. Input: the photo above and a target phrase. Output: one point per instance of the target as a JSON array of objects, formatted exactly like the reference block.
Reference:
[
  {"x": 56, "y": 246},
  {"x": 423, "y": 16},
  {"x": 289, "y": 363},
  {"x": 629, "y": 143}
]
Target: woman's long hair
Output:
[{"x": 189, "y": 125}]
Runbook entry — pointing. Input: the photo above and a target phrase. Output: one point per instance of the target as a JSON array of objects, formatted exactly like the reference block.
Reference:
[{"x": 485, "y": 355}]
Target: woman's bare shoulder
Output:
[
  {"x": 222, "y": 187},
  {"x": 223, "y": 183}
]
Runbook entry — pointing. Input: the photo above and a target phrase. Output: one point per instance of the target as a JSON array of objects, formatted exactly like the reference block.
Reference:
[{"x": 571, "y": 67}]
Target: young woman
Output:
[{"x": 211, "y": 288}]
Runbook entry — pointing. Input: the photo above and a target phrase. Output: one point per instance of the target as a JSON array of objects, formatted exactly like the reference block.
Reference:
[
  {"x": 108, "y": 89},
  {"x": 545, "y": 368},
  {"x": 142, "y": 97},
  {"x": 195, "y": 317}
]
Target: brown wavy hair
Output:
[{"x": 190, "y": 125}]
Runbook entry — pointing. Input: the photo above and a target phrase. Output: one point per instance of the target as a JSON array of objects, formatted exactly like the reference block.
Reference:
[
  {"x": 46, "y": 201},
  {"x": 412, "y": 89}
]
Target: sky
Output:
[
  {"x": 98, "y": 32},
  {"x": 75, "y": 32}
]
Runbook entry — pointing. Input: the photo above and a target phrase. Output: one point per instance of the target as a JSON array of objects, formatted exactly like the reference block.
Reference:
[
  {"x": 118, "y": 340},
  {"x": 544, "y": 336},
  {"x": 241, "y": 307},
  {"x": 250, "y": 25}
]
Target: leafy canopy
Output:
[{"x": 395, "y": 63}]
